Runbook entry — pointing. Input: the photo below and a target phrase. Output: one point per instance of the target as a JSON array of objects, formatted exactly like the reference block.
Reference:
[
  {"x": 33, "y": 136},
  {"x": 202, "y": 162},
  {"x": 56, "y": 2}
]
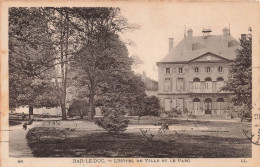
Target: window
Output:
[
  {"x": 168, "y": 70},
  {"x": 180, "y": 104},
  {"x": 196, "y": 84},
  {"x": 208, "y": 70},
  {"x": 196, "y": 69},
  {"x": 167, "y": 104},
  {"x": 180, "y": 84},
  {"x": 208, "y": 106},
  {"x": 167, "y": 85},
  {"x": 208, "y": 84},
  {"x": 220, "y": 103},
  {"x": 180, "y": 70},
  {"x": 220, "y": 83},
  {"x": 220, "y": 69},
  {"x": 196, "y": 105}
]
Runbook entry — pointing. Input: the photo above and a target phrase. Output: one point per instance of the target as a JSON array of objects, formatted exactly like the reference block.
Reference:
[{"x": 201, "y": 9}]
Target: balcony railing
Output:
[{"x": 206, "y": 87}]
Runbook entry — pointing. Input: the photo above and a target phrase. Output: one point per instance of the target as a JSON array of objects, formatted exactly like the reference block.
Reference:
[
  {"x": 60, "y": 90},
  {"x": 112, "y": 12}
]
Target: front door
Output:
[{"x": 208, "y": 106}]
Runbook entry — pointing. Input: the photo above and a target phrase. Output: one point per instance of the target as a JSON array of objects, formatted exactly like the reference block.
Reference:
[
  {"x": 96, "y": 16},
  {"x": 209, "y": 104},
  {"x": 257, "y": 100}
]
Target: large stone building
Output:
[
  {"x": 151, "y": 86},
  {"x": 191, "y": 75}
]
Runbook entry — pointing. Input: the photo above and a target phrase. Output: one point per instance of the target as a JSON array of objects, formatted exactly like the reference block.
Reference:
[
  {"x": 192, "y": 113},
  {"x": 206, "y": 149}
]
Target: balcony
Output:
[{"x": 206, "y": 87}]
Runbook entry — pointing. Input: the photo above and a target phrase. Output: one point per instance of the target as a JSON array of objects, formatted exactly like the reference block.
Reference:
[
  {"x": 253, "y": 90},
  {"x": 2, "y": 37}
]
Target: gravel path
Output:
[{"x": 18, "y": 143}]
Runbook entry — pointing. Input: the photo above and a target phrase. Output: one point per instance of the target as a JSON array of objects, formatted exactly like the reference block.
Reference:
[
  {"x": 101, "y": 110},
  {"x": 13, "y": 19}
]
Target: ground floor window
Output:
[
  {"x": 208, "y": 106},
  {"x": 220, "y": 104},
  {"x": 180, "y": 104},
  {"x": 167, "y": 104}
]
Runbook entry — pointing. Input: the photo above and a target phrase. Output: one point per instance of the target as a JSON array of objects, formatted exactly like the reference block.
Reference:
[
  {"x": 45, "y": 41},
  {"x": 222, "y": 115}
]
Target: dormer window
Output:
[
  {"x": 180, "y": 70},
  {"x": 196, "y": 69},
  {"x": 208, "y": 69}
]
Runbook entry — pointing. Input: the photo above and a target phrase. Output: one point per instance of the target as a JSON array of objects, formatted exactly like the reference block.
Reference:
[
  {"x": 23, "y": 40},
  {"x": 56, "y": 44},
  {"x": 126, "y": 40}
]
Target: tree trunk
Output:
[
  {"x": 63, "y": 112},
  {"x": 30, "y": 111},
  {"x": 63, "y": 89},
  {"x": 92, "y": 106}
]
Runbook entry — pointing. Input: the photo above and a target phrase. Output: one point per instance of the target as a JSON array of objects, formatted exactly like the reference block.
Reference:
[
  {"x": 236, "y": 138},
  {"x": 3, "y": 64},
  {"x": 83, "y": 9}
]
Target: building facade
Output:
[
  {"x": 151, "y": 86},
  {"x": 191, "y": 75}
]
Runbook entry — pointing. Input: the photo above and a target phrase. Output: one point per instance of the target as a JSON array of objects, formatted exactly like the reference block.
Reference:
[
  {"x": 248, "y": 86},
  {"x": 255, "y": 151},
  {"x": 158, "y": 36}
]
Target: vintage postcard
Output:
[{"x": 130, "y": 83}]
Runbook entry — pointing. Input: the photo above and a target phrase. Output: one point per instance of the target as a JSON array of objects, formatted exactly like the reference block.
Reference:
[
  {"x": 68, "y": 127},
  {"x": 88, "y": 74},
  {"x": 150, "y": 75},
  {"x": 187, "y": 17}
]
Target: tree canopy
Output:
[
  {"x": 241, "y": 69},
  {"x": 52, "y": 49},
  {"x": 30, "y": 55}
]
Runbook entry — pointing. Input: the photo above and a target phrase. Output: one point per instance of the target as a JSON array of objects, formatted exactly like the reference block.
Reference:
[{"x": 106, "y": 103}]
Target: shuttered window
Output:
[
  {"x": 180, "y": 70},
  {"x": 168, "y": 70},
  {"x": 167, "y": 104},
  {"x": 180, "y": 103},
  {"x": 167, "y": 84},
  {"x": 180, "y": 84}
]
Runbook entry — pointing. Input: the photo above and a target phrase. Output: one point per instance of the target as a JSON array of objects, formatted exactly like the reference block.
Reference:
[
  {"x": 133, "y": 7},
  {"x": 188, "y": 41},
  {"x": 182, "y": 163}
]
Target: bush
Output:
[
  {"x": 151, "y": 107},
  {"x": 192, "y": 116},
  {"x": 78, "y": 108},
  {"x": 247, "y": 116},
  {"x": 113, "y": 120},
  {"x": 174, "y": 112}
]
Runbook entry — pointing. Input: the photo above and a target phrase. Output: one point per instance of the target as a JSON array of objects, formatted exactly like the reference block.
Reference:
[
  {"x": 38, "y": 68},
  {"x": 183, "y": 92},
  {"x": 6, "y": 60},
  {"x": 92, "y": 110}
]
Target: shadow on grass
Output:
[
  {"x": 13, "y": 123},
  {"x": 136, "y": 145}
]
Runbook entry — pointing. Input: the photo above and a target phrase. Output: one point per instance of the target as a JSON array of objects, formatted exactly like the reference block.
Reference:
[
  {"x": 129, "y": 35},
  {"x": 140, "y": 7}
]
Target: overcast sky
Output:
[{"x": 159, "y": 21}]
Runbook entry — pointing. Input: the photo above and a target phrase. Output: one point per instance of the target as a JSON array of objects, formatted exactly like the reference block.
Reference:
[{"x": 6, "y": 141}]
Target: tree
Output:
[
  {"x": 84, "y": 42},
  {"x": 241, "y": 68},
  {"x": 75, "y": 27},
  {"x": 64, "y": 37},
  {"x": 103, "y": 59},
  {"x": 31, "y": 54}
]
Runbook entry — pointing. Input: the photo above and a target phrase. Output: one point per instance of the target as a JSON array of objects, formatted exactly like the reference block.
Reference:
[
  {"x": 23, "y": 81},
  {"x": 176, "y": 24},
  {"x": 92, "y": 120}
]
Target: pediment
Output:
[{"x": 208, "y": 57}]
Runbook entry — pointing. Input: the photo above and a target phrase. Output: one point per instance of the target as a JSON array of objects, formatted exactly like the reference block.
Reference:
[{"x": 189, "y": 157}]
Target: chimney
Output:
[
  {"x": 189, "y": 39},
  {"x": 206, "y": 32},
  {"x": 189, "y": 32},
  {"x": 225, "y": 31},
  {"x": 171, "y": 42}
]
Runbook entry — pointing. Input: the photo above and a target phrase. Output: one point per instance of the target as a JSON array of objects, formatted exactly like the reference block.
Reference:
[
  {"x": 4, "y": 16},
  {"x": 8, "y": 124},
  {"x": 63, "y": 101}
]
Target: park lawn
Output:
[
  {"x": 13, "y": 123},
  {"x": 220, "y": 140}
]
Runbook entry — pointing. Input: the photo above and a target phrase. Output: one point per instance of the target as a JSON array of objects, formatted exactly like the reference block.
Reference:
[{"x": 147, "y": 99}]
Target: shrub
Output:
[
  {"x": 192, "y": 116},
  {"x": 173, "y": 113},
  {"x": 151, "y": 107},
  {"x": 78, "y": 108},
  {"x": 113, "y": 120}
]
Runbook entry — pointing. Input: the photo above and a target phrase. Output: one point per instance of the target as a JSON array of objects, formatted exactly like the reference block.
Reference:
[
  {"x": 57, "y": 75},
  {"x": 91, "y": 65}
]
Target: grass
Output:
[
  {"x": 230, "y": 142},
  {"x": 148, "y": 120}
]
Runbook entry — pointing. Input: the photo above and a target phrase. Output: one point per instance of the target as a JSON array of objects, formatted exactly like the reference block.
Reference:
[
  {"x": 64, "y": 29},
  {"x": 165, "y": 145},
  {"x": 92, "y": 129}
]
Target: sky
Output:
[{"x": 160, "y": 21}]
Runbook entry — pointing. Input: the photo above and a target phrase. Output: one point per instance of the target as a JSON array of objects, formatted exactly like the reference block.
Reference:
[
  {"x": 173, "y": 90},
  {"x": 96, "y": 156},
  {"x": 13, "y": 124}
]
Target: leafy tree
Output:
[
  {"x": 73, "y": 28},
  {"x": 102, "y": 65},
  {"x": 85, "y": 42},
  {"x": 31, "y": 54},
  {"x": 241, "y": 68}
]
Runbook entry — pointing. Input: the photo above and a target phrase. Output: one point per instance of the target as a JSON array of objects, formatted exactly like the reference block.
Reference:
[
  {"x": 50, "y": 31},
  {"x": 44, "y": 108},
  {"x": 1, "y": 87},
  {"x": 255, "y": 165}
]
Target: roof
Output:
[{"x": 192, "y": 47}]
